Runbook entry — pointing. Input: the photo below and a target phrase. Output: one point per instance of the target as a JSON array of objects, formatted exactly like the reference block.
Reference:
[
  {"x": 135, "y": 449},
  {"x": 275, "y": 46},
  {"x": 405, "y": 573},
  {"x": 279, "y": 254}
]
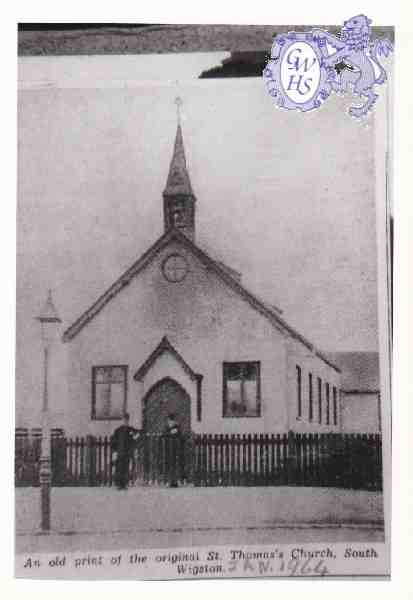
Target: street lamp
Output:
[{"x": 49, "y": 321}]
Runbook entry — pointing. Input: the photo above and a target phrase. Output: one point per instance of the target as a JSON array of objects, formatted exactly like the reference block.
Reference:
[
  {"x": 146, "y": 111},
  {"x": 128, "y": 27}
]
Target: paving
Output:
[
  {"x": 106, "y": 518},
  {"x": 96, "y": 509},
  {"x": 116, "y": 540}
]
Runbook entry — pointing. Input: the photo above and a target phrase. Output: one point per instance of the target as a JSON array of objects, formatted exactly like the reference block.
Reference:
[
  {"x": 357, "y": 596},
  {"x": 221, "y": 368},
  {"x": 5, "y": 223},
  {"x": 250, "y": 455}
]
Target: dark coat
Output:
[{"x": 122, "y": 440}]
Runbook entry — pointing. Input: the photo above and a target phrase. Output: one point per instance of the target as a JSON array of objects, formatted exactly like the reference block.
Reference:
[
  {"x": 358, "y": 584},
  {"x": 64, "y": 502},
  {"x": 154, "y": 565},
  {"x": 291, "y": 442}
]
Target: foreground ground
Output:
[
  {"x": 31, "y": 543},
  {"x": 103, "y": 518}
]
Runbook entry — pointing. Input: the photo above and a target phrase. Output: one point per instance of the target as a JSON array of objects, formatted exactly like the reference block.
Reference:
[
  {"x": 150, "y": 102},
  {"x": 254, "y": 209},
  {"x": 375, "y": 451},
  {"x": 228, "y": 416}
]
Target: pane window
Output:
[
  {"x": 320, "y": 400},
  {"x": 299, "y": 392},
  {"x": 233, "y": 392},
  {"x": 310, "y": 396},
  {"x": 250, "y": 396},
  {"x": 327, "y": 404},
  {"x": 108, "y": 392},
  {"x": 241, "y": 389}
]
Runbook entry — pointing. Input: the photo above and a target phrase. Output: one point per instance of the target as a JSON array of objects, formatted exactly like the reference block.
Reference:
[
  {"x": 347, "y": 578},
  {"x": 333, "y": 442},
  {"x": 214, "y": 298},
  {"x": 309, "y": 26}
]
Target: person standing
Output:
[
  {"x": 123, "y": 443},
  {"x": 173, "y": 433}
]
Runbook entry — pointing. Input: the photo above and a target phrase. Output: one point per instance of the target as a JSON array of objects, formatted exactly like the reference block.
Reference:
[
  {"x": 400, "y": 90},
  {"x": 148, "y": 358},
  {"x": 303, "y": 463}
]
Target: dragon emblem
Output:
[{"x": 355, "y": 65}]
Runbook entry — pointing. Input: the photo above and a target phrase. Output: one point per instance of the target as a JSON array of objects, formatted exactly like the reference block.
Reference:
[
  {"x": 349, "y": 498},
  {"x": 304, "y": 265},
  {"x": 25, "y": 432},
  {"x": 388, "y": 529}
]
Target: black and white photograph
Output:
[{"x": 203, "y": 305}]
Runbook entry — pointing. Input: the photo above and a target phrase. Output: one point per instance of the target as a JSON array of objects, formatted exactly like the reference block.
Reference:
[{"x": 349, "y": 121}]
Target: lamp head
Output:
[{"x": 49, "y": 319}]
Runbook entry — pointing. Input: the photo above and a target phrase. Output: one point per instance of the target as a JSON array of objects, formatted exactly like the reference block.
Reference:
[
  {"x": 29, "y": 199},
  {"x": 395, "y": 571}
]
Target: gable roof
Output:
[
  {"x": 174, "y": 234},
  {"x": 164, "y": 346}
]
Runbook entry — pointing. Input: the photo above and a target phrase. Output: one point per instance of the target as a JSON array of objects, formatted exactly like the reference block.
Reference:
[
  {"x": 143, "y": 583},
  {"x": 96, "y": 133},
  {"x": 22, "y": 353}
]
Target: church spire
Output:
[{"x": 179, "y": 199}]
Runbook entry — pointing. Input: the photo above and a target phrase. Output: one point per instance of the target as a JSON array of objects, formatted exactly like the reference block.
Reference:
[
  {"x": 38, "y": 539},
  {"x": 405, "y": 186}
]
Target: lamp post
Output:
[{"x": 49, "y": 321}]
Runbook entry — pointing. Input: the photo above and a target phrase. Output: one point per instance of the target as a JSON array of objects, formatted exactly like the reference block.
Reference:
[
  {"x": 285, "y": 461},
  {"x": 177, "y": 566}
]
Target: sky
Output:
[{"x": 288, "y": 199}]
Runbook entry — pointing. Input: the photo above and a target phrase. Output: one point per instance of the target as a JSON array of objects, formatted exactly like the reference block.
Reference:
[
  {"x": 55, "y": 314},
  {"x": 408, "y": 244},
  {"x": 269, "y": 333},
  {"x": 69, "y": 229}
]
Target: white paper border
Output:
[{"x": 383, "y": 13}]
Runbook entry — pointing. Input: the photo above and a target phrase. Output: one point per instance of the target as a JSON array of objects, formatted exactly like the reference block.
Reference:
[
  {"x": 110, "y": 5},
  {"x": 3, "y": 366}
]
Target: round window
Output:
[{"x": 175, "y": 268}]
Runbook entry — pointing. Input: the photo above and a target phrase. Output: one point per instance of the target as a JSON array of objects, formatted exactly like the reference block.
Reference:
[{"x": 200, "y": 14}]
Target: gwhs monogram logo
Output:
[
  {"x": 294, "y": 75},
  {"x": 305, "y": 68},
  {"x": 301, "y": 81}
]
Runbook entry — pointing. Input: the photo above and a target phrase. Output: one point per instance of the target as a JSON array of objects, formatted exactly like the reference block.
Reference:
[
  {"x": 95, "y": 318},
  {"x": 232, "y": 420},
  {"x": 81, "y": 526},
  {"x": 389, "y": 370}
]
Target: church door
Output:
[{"x": 166, "y": 397}]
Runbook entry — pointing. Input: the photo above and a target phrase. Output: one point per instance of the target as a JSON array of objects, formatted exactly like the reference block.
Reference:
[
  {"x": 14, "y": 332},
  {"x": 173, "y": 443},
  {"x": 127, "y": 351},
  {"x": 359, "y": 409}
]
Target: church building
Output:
[{"x": 178, "y": 332}]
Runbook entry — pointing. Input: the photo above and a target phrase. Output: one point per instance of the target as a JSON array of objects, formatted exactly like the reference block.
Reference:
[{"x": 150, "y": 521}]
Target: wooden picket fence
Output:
[
  {"x": 27, "y": 447},
  {"x": 351, "y": 461}
]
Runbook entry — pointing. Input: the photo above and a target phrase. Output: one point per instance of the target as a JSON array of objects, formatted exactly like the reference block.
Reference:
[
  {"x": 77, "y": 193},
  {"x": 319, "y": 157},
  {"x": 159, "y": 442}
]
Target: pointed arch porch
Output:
[{"x": 168, "y": 384}]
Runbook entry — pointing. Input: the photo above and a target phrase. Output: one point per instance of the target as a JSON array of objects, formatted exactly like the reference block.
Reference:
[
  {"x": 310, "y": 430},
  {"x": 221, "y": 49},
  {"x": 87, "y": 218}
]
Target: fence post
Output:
[
  {"x": 58, "y": 457},
  {"x": 90, "y": 460},
  {"x": 292, "y": 458}
]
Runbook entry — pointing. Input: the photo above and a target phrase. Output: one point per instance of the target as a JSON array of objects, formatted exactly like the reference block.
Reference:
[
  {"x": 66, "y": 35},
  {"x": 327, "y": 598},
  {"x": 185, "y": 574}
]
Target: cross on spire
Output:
[{"x": 178, "y": 102}]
